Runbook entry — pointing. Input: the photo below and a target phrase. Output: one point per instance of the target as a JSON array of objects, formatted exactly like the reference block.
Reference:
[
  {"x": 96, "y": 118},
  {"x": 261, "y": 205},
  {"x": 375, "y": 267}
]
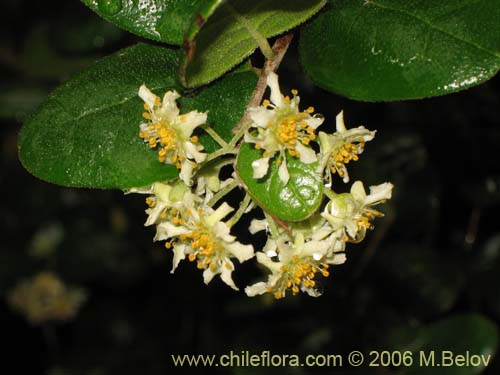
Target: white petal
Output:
[
  {"x": 241, "y": 252},
  {"x": 276, "y": 96},
  {"x": 358, "y": 191},
  {"x": 314, "y": 121},
  {"x": 338, "y": 258},
  {"x": 221, "y": 230},
  {"x": 146, "y": 95},
  {"x": 192, "y": 152},
  {"x": 190, "y": 121},
  {"x": 307, "y": 154},
  {"x": 168, "y": 230},
  {"x": 263, "y": 259},
  {"x": 179, "y": 254},
  {"x": 257, "y": 225},
  {"x": 261, "y": 116},
  {"x": 351, "y": 227},
  {"x": 379, "y": 193},
  {"x": 186, "y": 172},
  {"x": 314, "y": 248},
  {"x": 260, "y": 167},
  {"x": 226, "y": 274},
  {"x": 153, "y": 214},
  {"x": 340, "y": 122},
  {"x": 220, "y": 213},
  {"x": 169, "y": 105},
  {"x": 311, "y": 291},
  {"x": 256, "y": 289},
  {"x": 208, "y": 275},
  {"x": 283, "y": 172}
]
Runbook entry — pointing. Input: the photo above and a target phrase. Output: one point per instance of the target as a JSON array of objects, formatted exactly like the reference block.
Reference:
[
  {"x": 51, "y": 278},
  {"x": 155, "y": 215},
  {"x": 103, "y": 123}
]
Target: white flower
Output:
[
  {"x": 352, "y": 212},
  {"x": 172, "y": 132},
  {"x": 280, "y": 126},
  {"x": 294, "y": 264},
  {"x": 199, "y": 234},
  {"x": 46, "y": 297},
  {"x": 339, "y": 148}
]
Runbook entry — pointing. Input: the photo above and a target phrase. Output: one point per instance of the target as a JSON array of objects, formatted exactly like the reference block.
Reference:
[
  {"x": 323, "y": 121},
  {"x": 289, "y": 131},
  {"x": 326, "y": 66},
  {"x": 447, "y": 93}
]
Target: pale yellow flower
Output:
[
  {"x": 45, "y": 297},
  {"x": 198, "y": 232},
  {"x": 279, "y": 127},
  {"x": 353, "y": 212},
  {"x": 341, "y": 147},
  {"x": 172, "y": 133}
]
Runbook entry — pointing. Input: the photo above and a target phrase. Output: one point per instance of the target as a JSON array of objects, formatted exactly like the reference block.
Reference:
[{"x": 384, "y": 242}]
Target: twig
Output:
[{"x": 271, "y": 65}]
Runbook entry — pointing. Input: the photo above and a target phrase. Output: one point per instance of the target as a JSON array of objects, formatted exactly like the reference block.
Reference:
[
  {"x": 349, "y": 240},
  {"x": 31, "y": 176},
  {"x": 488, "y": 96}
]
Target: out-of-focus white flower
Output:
[
  {"x": 199, "y": 233},
  {"x": 280, "y": 127},
  {"x": 172, "y": 132},
  {"x": 294, "y": 264},
  {"x": 45, "y": 297},
  {"x": 339, "y": 148},
  {"x": 353, "y": 213}
]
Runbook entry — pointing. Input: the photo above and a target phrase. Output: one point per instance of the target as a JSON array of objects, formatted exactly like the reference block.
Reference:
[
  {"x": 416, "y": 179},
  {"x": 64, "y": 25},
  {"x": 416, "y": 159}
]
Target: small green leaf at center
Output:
[{"x": 295, "y": 201}]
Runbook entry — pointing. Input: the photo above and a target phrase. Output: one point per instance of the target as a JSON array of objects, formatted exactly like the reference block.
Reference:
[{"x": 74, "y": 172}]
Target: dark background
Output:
[{"x": 433, "y": 260}]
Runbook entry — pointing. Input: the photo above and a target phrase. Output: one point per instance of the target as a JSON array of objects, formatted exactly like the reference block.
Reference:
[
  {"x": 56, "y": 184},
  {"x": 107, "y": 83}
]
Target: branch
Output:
[{"x": 271, "y": 65}]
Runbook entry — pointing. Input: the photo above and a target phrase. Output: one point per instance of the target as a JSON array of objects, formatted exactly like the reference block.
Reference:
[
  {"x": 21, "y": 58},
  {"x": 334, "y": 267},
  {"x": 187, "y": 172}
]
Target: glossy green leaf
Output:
[
  {"x": 450, "y": 338},
  {"x": 161, "y": 20},
  {"x": 230, "y": 34},
  {"x": 86, "y": 133},
  {"x": 400, "y": 49},
  {"x": 295, "y": 201}
]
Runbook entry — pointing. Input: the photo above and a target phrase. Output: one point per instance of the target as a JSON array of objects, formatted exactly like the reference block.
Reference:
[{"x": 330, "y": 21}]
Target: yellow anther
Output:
[
  {"x": 266, "y": 103},
  {"x": 146, "y": 115},
  {"x": 310, "y": 109},
  {"x": 194, "y": 139},
  {"x": 294, "y": 92}
]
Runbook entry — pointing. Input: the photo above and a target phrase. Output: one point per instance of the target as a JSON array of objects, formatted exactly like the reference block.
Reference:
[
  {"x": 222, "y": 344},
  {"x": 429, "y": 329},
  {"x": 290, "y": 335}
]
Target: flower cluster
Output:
[{"x": 189, "y": 217}]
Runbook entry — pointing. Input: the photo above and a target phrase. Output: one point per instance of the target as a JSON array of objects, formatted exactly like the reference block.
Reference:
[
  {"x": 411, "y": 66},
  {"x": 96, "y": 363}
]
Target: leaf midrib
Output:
[
  {"x": 434, "y": 27},
  {"x": 100, "y": 109}
]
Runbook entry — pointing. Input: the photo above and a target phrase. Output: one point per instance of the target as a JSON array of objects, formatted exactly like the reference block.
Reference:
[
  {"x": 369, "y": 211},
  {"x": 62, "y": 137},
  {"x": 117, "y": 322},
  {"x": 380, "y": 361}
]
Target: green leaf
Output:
[
  {"x": 161, "y": 20},
  {"x": 457, "y": 335},
  {"x": 399, "y": 49},
  {"x": 86, "y": 133},
  {"x": 230, "y": 34},
  {"x": 296, "y": 201}
]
